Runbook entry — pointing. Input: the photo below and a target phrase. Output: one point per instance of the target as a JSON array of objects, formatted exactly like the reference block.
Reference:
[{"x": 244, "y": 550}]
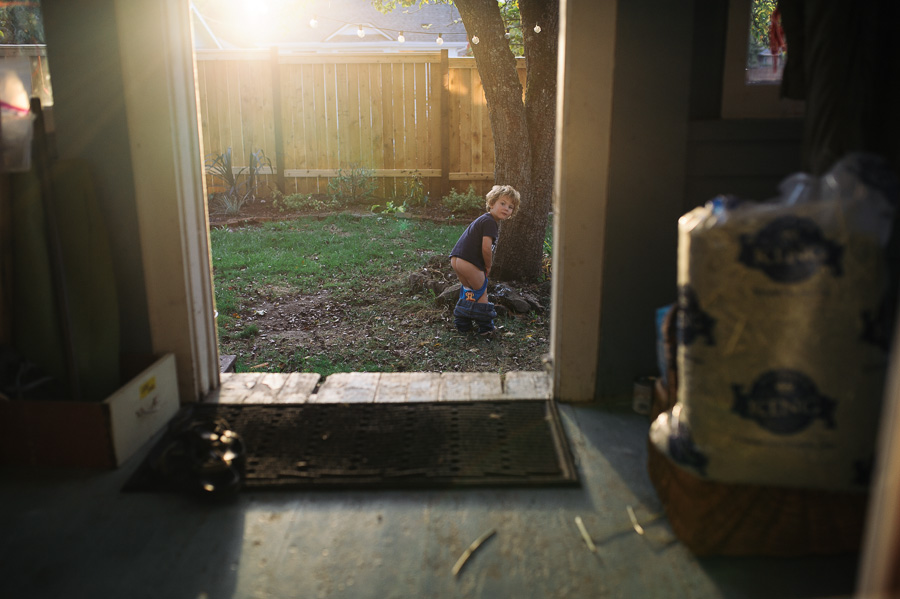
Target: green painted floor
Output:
[{"x": 73, "y": 535}]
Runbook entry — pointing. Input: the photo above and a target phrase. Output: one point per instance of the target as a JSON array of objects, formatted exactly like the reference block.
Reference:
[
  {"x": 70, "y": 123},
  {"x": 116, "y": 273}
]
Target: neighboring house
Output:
[{"x": 334, "y": 26}]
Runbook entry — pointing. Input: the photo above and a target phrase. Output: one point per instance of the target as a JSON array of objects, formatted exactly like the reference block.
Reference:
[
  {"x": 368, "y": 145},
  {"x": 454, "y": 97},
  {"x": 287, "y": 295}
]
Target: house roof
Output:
[{"x": 337, "y": 25}]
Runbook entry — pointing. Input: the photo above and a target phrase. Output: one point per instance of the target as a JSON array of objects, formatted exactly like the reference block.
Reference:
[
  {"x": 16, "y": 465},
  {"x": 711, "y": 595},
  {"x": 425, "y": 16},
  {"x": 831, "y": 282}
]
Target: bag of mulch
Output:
[{"x": 784, "y": 322}]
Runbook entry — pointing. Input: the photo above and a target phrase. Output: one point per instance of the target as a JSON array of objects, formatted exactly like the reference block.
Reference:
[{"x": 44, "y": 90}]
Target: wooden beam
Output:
[
  {"x": 581, "y": 192},
  {"x": 276, "y": 115},
  {"x": 445, "y": 122}
]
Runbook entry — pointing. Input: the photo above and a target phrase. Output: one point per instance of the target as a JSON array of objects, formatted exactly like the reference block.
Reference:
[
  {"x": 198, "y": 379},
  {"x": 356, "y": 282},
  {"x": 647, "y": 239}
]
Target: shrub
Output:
[
  {"x": 300, "y": 202},
  {"x": 239, "y": 187},
  {"x": 356, "y": 187},
  {"x": 412, "y": 192},
  {"x": 464, "y": 203}
]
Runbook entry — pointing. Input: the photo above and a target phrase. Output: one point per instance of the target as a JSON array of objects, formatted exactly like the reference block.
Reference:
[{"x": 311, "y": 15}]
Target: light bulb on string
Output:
[
  {"x": 537, "y": 28},
  {"x": 360, "y": 32},
  {"x": 401, "y": 38},
  {"x": 440, "y": 39},
  {"x": 313, "y": 22},
  {"x": 475, "y": 40}
]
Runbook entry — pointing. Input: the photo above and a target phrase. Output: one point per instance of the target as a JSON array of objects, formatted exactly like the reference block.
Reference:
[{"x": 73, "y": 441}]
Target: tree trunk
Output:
[{"x": 523, "y": 132}]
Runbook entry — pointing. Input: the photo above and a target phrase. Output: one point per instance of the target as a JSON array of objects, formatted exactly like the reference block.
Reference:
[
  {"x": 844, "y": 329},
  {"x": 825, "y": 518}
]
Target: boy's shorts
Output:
[{"x": 467, "y": 311}]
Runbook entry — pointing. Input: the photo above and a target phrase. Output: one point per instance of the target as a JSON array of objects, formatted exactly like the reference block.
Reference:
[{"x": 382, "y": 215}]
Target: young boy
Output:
[{"x": 471, "y": 260}]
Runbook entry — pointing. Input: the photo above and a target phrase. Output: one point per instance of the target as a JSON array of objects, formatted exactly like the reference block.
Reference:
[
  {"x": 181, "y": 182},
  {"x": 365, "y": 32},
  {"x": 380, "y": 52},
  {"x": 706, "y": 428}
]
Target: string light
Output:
[
  {"x": 475, "y": 40},
  {"x": 313, "y": 22},
  {"x": 537, "y": 28},
  {"x": 440, "y": 39},
  {"x": 401, "y": 38},
  {"x": 360, "y": 32}
]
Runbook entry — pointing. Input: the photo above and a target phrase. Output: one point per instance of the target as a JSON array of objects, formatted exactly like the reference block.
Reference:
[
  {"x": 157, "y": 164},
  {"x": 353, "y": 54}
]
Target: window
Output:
[{"x": 750, "y": 84}]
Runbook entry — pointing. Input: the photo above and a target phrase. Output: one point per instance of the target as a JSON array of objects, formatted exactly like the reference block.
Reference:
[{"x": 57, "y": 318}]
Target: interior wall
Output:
[
  {"x": 646, "y": 186},
  {"x": 89, "y": 116}
]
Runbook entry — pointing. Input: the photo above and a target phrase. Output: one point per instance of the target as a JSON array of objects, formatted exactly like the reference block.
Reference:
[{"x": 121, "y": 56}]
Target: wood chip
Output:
[
  {"x": 468, "y": 552},
  {"x": 634, "y": 523},
  {"x": 585, "y": 535}
]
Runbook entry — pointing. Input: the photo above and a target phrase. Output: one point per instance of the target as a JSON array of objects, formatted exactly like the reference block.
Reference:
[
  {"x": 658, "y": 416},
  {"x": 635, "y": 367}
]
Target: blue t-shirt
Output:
[{"x": 469, "y": 245}]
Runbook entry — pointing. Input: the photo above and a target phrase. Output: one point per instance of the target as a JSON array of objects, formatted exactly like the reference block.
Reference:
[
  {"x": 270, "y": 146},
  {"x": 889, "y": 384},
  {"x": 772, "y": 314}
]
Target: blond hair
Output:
[{"x": 498, "y": 191}]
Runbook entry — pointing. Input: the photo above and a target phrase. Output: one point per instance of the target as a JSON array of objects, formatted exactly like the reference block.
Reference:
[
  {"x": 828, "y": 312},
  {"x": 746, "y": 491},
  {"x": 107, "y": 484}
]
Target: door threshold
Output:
[{"x": 379, "y": 387}]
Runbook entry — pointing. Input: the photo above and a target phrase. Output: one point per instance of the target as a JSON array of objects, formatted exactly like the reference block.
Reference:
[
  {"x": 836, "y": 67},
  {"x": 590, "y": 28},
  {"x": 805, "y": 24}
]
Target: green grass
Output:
[{"x": 331, "y": 295}]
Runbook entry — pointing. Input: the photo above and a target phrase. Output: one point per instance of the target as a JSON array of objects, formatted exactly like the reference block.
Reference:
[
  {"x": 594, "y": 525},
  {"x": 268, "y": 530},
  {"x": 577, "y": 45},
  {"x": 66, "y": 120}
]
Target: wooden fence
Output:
[{"x": 316, "y": 115}]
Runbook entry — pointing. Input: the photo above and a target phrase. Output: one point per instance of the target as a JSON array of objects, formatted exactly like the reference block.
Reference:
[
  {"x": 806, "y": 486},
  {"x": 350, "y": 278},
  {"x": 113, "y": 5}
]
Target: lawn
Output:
[{"x": 332, "y": 294}]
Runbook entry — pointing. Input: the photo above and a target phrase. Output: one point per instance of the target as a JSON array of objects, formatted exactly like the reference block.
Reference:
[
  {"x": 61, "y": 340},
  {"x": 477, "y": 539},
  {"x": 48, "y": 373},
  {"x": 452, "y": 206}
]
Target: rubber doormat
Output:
[{"x": 303, "y": 446}]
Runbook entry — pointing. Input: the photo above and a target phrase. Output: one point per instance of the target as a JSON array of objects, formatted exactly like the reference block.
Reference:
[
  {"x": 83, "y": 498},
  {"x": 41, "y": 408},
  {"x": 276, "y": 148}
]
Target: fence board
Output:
[
  {"x": 355, "y": 114},
  {"x": 365, "y": 116},
  {"x": 387, "y": 139},
  {"x": 421, "y": 74},
  {"x": 454, "y": 120},
  {"x": 310, "y": 139},
  {"x": 465, "y": 120},
  {"x": 321, "y": 122},
  {"x": 332, "y": 134},
  {"x": 380, "y": 112}
]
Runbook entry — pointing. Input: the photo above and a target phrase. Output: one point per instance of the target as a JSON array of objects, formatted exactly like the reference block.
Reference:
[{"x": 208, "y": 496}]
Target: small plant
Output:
[
  {"x": 300, "y": 202},
  {"x": 413, "y": 192},
  {"x": 235, "y": 188},
  {"x": 389, "y": 208},
  {"x": 251, "y": 330},
  {"x": 356, "y": 187},
  {"x": 465, "y": 203}
]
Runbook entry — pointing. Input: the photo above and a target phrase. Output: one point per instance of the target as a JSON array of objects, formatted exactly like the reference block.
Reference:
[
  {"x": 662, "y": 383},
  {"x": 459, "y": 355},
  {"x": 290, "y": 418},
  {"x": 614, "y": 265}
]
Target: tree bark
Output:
[{"x": 523, "y": 131}]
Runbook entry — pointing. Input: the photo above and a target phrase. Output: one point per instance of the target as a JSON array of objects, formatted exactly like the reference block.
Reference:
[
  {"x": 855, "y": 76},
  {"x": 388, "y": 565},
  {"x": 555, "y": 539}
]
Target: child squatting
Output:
[{"x": 471, "y": 260}]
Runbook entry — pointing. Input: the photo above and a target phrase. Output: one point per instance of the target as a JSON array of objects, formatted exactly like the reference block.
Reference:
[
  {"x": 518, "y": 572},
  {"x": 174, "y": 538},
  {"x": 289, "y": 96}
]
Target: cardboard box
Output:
[{"x": 71, "y": 434}]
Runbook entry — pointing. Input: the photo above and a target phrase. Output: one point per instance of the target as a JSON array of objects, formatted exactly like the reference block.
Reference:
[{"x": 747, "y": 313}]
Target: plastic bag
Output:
[{"x": 783, "y": 332}]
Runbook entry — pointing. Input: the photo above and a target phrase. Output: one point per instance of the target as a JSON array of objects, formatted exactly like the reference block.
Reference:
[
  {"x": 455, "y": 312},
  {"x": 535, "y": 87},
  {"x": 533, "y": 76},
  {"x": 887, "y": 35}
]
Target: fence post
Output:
[
  {"x": 276, "y": 111},
  {"x": 445, "y": 123}
]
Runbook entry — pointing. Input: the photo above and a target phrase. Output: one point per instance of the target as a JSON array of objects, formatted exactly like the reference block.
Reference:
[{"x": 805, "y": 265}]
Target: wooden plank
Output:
[
  {"x": 399, "y": 126},
  {"x": 353, "y": 109},
  {"x": 387, "y": 123},
  {"x": 345, "y": 120},
  {"x": 465, "y": 95},
  {"x": 234, "y": 388},
  {"x": 466, "y": 386},
  {"x": 400, "y": 387},
  {"x": 298, "y": 387},
  {"x": 453, "y": 122},
  {"x": 527, "y": 385},
  {"x": 257, "y": 55},
  {"x": 277, "y": 120},
  {"x": 365, "y": 116},
  {"x": 232, "y": 126},
  {"x": 444, "y": 123},
  {"x": 310, "y": 122},
  {"x": 247, "y": 114},
  {"x": 377, "y": 134},
  {"x": 321, "y": 116},
  {"x": 409, "y": 115},
  {"x": 332, "y": 135},
  {"x": 292, "y": 99},
  {"x": 267, "y": 388},
  {"x": 379, "y": 172},
  {"x": 348, "y": 387},
  {"x": 479, "y": 107},
  {"x": 203, "y": 101}
]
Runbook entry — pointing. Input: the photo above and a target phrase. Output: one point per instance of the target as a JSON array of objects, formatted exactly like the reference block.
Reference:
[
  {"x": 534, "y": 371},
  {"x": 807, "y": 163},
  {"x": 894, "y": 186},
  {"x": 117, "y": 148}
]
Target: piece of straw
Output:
[
  {"x": 637, "y": 527},
  {"x": 468, "y": 552},
  {"x": 585, "y": 535}
]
